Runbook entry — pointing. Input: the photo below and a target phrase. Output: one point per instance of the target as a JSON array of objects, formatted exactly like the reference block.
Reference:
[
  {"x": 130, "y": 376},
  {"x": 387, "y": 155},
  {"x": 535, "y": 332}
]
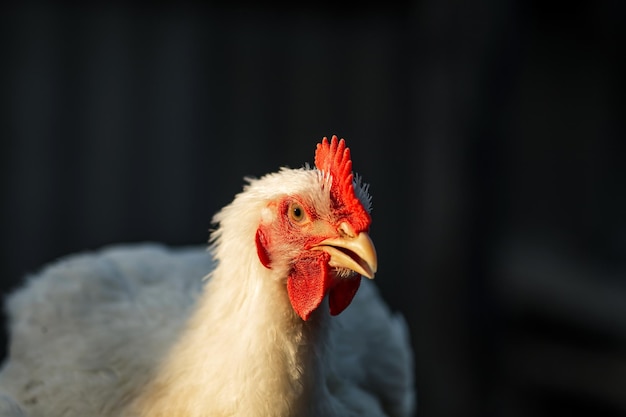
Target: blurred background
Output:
[{"x": 492, "y": 134}]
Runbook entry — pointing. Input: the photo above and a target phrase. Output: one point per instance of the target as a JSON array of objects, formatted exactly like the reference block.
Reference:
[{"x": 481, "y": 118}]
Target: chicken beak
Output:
[{"x": 355, "y": 253}]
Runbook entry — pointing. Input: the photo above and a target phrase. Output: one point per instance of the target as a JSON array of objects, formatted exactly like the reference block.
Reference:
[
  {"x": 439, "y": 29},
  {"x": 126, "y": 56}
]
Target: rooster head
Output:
[{"x": 314, "y": 229}]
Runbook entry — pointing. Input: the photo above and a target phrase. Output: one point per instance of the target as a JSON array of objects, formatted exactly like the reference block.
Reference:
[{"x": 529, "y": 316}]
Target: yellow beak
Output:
[{"x": 355, "y": 253}]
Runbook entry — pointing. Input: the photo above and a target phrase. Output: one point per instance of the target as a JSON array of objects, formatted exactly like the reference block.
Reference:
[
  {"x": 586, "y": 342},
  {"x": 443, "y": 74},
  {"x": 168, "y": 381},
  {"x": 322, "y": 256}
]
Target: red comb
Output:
[{"x": 334, "y": 158}]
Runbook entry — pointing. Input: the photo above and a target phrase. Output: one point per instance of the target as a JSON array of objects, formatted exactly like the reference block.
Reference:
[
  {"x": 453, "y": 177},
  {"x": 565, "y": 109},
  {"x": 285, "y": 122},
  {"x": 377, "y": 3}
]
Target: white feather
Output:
[{"x": 135, "y": 331}]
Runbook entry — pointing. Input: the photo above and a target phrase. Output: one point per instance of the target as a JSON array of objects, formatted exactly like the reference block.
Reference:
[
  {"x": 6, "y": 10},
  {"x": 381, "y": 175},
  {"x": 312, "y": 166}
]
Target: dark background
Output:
[{"x": 492, "y": 134}]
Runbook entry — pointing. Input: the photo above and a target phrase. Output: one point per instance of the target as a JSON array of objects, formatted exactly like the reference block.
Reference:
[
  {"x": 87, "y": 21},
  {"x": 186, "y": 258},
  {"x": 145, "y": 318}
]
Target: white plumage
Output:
[{"x": 135, "y": 331}]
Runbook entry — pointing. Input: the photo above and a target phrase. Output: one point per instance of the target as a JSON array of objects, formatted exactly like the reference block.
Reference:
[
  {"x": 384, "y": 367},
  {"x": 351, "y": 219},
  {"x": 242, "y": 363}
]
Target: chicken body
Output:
[{"x": 134, "y": 331}]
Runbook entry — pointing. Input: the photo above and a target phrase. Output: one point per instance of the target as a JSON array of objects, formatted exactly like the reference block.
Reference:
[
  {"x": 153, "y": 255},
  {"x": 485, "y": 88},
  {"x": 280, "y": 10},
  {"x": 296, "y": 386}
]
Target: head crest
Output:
[{"x": 334, "y": 159}]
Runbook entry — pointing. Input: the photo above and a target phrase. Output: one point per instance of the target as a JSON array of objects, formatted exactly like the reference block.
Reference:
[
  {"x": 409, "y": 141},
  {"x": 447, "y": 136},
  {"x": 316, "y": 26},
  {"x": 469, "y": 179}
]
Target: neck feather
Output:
[{"x": 244, "y": 351}]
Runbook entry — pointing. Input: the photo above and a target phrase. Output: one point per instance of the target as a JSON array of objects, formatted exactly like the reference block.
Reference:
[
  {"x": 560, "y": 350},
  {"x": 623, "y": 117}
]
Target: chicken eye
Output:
[{"x": 296, "y": 213}]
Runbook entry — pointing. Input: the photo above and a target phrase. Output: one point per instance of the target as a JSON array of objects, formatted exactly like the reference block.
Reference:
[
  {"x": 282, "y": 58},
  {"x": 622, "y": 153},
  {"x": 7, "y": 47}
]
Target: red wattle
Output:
[
  {"x": 341, "y": 295},
  {"x": 311, "y": 279},
  {"x": 308, "y": 283}
]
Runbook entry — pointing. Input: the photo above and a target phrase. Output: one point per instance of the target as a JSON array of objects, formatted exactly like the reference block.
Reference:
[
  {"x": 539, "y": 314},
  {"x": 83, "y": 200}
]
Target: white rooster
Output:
[{"x": 134, "y": 331}]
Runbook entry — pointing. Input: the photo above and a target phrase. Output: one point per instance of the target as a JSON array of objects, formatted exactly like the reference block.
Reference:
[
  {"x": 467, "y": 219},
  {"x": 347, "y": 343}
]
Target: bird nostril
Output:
[{"x": 345, "y": 230}]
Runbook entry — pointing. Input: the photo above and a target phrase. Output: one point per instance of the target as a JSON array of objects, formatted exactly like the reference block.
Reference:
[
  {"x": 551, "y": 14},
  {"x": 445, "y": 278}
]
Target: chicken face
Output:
[{"x": 324, "y": 241}]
